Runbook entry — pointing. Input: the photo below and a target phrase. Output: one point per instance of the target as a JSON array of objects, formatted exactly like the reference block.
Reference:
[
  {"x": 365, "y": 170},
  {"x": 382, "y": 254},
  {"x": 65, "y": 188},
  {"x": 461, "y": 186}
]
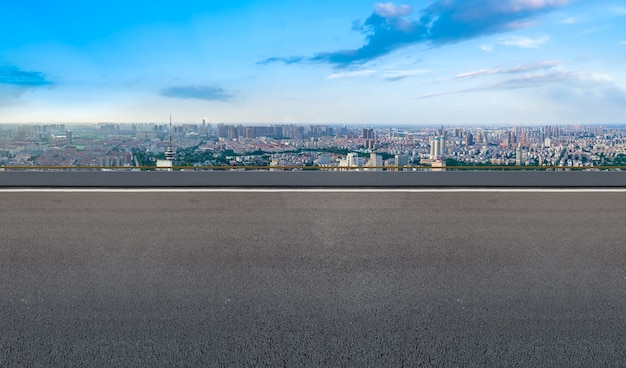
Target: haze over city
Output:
[{"x": 413, "y": 62}]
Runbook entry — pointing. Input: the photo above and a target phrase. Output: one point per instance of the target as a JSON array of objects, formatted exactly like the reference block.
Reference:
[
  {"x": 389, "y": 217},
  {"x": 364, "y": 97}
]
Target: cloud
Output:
[
  {"x": 390, "y": 10},
  {"x": 286, "y": 60},
  {"x": 14, "y": 83},
  {"x": 16, "y": 77},
  {"x": 524, "y": 68},
  {"x": 570, "y": 20},
  {"x": 517, "y": 5},
  {"x": 523, "y": 42},
  {"x": 356, "y": 73},
  {"x": 623, "y": 43},
  {"x": 596, "y": 30},
  {"x": 488, "y": 47},
  {"x": 388, "y": 75},
  {"x": 531, "y": 72},
  {"x": 457, "y": 20},
  {"x": 396, "y": 75},
  {"x": 618, "y": 10},
  {"x": 597, "y": 85},
  {"x": 197, "y": 93},
  {"x": 442, "y": 22},
  {"x": 585, "y": 88},
  {"x": 573, "y": 93},
  {"x": 530, "y": 80}
]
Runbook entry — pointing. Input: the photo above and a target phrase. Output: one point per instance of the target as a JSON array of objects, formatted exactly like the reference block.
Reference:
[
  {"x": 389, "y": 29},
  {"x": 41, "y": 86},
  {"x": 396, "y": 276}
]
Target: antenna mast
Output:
[{"x": 169, "y": 153}]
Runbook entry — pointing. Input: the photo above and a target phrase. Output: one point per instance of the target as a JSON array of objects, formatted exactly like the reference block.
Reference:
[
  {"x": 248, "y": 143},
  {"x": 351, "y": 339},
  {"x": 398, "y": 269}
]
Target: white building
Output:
[
  {"x": 375, "y": 162},
  {"x": 437, "y": 148},
  {"x": 352, "y": 160}
]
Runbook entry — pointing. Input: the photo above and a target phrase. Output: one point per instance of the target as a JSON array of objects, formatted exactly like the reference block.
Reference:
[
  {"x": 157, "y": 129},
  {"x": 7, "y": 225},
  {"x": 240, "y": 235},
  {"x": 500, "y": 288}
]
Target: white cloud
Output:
[
  {"x": 357, "y": 73},
  {"x": 534, "y": 79},
  {"x": 390, "y": 75},
  {"x": 518, "y": 69},
  {"x": 623, "y": 43},
  {"x": 391, "y": 10},
  {"x": 524, "y": 42},
  {"x": 592, "y": 77},
  {"x": 618, "y": 10},
  {"x": 595, "y": 30},
  {"x": 518, "y": 5},
  {"x": 570, "y": 20},
  {"x": 488, "y": 47},
  {"x": 441, "y": 22},
  {"x": 394, "y": 75}
]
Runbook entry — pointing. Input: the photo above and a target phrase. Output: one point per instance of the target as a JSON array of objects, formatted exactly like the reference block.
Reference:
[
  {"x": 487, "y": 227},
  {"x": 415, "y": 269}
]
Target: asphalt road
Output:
[{"x": 312, "y": 279}]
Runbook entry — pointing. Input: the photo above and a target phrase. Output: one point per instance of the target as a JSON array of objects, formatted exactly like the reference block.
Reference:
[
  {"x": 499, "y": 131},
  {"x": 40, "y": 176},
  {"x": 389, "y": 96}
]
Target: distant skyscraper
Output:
[
  {"x": 369, "y": 144},
  {"x": 469, "y": 139},
  {"x": 368, "y": 133}
]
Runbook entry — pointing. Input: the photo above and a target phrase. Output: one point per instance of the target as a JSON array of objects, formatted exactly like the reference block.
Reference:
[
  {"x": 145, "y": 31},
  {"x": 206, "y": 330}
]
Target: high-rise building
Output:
[
  {"x": 375, "y": 162},
  {"x": 437, "y": 148},
  {"x": 370, "y": 144},
  {"x": 401, "y": 161},
  {"x": 469, "y": 139},
  {"x": 518, "y": 155},
  {"x": 353, "y": 159},
  {"x": 368, "y": 133}
]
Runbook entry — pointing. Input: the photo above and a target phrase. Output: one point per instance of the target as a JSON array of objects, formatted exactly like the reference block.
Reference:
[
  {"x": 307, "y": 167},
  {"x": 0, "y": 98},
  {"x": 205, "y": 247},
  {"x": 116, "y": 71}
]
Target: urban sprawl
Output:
[{"x": 202, "y": 146}]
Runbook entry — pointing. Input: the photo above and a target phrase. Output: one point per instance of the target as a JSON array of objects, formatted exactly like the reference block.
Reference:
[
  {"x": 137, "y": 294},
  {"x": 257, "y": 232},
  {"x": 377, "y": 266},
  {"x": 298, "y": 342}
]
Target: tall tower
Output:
[
  {"x": 169, "y": 153},
  {"x": 168, "y": 163}
]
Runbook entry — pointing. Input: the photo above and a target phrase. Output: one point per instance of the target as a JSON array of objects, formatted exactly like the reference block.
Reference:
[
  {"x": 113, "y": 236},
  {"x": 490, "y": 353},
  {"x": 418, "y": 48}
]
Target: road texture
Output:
[{"x": 312, "y": 279}]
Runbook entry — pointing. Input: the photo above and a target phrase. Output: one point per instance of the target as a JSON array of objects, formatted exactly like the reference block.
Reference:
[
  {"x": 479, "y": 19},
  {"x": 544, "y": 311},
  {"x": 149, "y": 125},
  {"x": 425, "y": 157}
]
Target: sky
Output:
[{"x": 522, "y": 62}]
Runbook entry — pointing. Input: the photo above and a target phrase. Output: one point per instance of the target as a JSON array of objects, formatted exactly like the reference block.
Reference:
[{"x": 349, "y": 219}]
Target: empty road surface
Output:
[{"x": 298, "y": 278}]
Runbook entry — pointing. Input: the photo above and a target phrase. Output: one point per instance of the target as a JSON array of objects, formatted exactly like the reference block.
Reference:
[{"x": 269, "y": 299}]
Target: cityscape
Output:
[
  {"x": 202, "y": 146},
  {"x": 322, "y": 183}
]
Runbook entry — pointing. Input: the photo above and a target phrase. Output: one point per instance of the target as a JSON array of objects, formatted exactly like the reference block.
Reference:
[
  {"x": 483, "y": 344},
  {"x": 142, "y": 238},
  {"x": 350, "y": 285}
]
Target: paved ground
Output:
[{"x": 312, "y": 279}]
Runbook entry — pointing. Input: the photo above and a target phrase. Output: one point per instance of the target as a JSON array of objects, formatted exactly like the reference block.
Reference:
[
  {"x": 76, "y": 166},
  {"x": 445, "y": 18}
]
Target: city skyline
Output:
[
  {"x": 520, "y": 62},
  {"x": 313, "y": 147}
]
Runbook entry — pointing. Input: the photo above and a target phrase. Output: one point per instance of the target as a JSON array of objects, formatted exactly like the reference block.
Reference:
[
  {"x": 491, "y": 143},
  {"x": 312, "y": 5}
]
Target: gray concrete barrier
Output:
[{"x": 216, "y": 179}]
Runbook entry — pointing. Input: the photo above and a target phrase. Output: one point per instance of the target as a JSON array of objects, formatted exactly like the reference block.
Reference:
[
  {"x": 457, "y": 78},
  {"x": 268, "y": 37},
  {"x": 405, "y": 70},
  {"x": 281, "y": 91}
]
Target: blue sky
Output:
[{"x": 322, "y": 61}]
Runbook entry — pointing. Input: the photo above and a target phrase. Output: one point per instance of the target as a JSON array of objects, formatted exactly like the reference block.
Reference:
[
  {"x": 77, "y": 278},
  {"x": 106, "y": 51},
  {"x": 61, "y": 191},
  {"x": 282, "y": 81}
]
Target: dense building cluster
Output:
[{"x": 333, "y": 147}]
